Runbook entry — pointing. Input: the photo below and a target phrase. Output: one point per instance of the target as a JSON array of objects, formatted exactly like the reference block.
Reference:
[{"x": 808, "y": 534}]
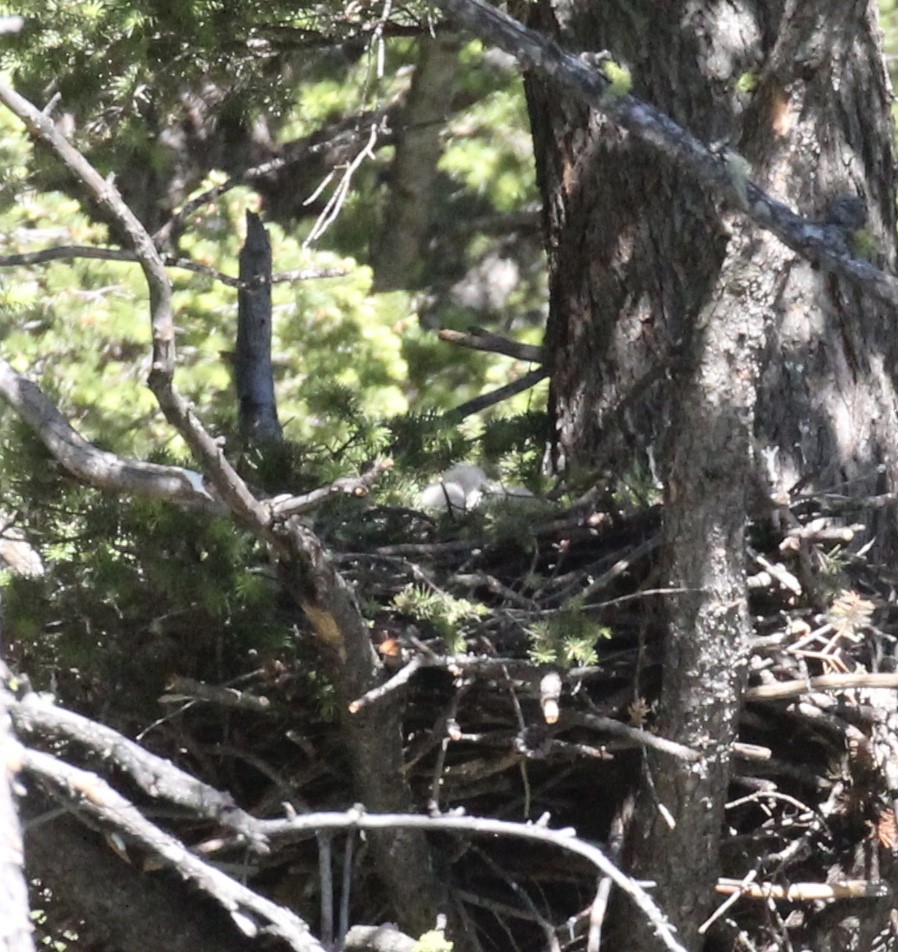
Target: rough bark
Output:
[
  {"x": 702, "y": 342},
  {"x": 635, "y": 248},
  {"x": 257, "y": 406},
  {"x": 418, "y": 149}
]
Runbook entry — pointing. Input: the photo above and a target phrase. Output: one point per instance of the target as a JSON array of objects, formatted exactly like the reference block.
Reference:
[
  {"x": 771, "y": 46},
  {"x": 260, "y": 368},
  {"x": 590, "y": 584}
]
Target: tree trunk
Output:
[
  {"x": 418, "y": 149},
  {"x": 636, "y": 250},
  {"x": 694, "y": 339}
]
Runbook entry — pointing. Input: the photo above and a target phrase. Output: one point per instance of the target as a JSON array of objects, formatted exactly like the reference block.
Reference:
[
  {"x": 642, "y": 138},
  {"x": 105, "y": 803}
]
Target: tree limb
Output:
[
  {"x": 478, "y": 339},
  {"x": 36, "y": 718},
  {"x": 252, "y": 913},
  {"x": 223, "y": 476},
  {"x": 126, "y": 908},
  {"x": 69, "y": 252},
  {"x": 15, "y": 923},
  {"x": 403, "y": 856},
  {"x": 97, "y": 467},
  {"x": 814, "y": 241}
]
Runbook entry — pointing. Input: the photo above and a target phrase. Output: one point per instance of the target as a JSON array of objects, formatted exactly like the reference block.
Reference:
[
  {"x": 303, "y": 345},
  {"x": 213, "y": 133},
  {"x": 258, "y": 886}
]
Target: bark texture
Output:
[
  {"x": 693, "y": 339},
  {"x": 636, "y": 251}
]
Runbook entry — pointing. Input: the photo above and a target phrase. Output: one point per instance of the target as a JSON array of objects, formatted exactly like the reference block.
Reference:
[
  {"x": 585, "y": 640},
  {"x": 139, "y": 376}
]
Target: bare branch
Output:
[
  {"x": 35, "y": 717},
  {"x": 530, "y": 379},
  {"x": 478, "y": 339},
  {"x": 224, "y": 477},
  {"x": 252, "y": 913},
  {"x": 180, "y": 689},
  {"x": 122, "y": 907},
  {"x": 634, "y": 734},
  {"x": 282, "y": 507},
  {"x": 70, "y": 252},
  {"x": 825, "y": 682},
  {"x": 812, "y": 240},
  {"x": 97, "y": 467},
  {"x": 565, "y": 840},
  {"x": 806, "y": 892},
  {"x": 339, "y": 144},
  {"x": 15, "y": 923}
]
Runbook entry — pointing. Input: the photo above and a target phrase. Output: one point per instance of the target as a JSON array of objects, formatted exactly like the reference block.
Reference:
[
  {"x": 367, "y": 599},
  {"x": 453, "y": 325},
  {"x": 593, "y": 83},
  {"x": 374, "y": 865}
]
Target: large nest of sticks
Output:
[{"x": 525, "y": 642}]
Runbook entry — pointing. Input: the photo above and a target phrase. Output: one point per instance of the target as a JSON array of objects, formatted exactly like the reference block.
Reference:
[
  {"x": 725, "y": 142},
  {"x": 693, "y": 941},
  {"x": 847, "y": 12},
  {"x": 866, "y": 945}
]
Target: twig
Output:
[
  {"x": 729, "y": 902},
  {"x": 616, "y": 836},
  {"x": 402, "y": 677},
  {"x": 284, "y": 506},
  {"x": 529, "y": 380},
  {"x": 345, "y": 135},
  {"x": 478, "y": 339},
  {"x": 335, "y": 202},
  {"x": 70, "y": 252}
]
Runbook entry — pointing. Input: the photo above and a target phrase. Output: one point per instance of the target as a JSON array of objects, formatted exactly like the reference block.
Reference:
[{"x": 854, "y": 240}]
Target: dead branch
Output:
[
  {"x": 307, "y": 571},
  {"x": 825, "y": 682},
  {"x": 37, "y": 718},
  {"x": 565, "y": 840},
  {"x": 252, "y": 913},
  {"x": 634, "y": 735},
  {"x": 91, "y": 882},
  {"x": 340, "y": 142},
  {"x": 805, "y": 892},
  {"x": 97, "y": 467},
  {"x": 180, "y": 689},
  {"x": 71, "y": 252},
  {"x": 230, "y": 486},
  {"x": 528, "y": 380},
  {"x": 478, "y": 339},
  {"x": 15, "y": 922}
]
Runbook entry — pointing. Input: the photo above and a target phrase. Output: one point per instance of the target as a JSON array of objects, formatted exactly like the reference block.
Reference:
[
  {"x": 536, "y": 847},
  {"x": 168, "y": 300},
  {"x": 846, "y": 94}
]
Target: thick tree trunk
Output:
[
  {"x": 695, "y": 339},
  {"x": 636, "y": 251}
]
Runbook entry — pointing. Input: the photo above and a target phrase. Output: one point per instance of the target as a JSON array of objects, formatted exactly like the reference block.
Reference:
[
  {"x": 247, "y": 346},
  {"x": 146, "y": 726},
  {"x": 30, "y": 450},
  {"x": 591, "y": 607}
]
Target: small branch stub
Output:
[{"x": 550, "y": 696}]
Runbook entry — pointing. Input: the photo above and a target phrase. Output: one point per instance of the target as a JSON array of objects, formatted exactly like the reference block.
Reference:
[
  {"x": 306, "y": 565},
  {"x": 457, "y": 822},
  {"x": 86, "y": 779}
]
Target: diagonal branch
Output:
[
  {"x": 251, "y": 912},
  {"x": 97, "y": 467},
  {"x": 719, "y": 172}
]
